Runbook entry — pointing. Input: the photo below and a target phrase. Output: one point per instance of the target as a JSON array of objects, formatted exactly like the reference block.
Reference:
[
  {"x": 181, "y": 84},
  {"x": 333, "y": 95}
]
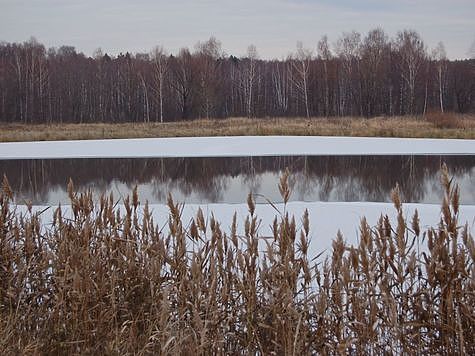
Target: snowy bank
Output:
[{"x": 234, "y": 147}]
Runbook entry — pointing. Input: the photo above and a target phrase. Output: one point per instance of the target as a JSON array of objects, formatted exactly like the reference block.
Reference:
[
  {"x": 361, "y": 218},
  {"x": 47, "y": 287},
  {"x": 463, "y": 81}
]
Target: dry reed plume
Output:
[{"x": 108, "y": 281}]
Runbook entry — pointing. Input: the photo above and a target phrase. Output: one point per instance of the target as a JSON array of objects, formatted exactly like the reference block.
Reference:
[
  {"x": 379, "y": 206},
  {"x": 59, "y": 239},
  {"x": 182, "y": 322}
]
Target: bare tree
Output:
[
  {"x": 412, "y": 55},
  {"x": 348, "y": 49},
  {"x": 325, "y": 55},
  {"x": 281, "y": 84},
  {"x": 439, "y": 56},
  {"x": 374, "y": 53},
  {"x": 250, "y": 77},
  {"x": 301, "y": 66},
  {"x": 209, "y": 54},
  {"x": 182, "y": 83},
  {"x": 98, "y": 56},
  {"x": 145, "y": 99},
  {"x": 471, "y": 50},
  {"x": 160, "y": 65}
]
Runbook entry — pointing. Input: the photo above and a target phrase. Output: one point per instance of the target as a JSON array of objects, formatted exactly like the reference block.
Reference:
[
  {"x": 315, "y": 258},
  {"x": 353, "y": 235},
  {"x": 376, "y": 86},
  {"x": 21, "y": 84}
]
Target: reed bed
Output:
[{"x": 106, "y": 280}]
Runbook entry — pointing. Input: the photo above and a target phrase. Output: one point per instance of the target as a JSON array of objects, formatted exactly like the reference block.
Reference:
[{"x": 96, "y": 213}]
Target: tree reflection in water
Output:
[{"x": 205, "y": 180}]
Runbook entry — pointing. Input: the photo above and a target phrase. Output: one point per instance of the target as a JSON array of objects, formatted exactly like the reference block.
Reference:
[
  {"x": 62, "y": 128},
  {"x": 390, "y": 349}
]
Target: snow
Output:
[
  {"x": 326, "y": 218},
  {"x": 234, "y": 147}
]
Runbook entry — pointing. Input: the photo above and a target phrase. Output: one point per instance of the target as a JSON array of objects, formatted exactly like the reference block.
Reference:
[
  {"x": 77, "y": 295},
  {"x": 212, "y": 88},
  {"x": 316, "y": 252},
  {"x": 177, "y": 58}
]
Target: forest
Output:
[{"x": 358, "y": 75}]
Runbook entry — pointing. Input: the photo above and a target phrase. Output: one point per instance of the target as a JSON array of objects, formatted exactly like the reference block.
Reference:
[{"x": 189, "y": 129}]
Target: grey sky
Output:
[{"x": 274, "y": 26}]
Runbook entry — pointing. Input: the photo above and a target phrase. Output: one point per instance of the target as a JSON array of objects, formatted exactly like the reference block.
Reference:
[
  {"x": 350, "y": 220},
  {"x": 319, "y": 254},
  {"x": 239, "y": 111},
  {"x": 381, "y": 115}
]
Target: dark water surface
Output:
[{"x": 229, "y": 180}]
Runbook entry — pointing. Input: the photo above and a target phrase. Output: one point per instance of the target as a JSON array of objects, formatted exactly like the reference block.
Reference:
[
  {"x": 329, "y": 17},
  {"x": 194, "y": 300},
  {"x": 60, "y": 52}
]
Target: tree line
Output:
[{"x": 366, "y": 76}]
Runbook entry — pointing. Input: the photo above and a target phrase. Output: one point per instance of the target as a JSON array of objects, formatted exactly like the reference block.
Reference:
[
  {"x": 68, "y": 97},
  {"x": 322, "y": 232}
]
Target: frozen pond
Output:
[{"x": 338, "y": 179}]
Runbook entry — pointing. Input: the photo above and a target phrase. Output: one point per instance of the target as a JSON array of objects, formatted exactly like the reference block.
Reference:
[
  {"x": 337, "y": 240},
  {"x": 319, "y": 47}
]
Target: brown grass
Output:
[
  {"x": 381, "y": 126},
  {"x": 104, "y": 281},
  {"x": 444, "y": 120}
]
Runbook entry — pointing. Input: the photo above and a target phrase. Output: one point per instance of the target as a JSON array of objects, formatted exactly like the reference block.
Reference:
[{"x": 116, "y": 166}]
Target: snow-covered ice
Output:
[{"x": 234, "y": 147}]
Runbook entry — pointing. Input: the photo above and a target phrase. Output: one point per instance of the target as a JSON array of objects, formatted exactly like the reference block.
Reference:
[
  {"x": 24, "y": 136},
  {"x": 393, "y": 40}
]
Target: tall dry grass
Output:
[
  {"x": 107, "y": 280},
  {"x": 432, "y": 126}
]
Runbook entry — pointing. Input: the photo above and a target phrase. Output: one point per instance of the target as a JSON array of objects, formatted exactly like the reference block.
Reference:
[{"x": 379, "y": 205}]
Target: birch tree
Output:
[
  {"x": 348, "y": 49},
  {"x": 146, "y": 104},
  {"x": 325, "y": 55},
  {"x": 281, "y": 85},
  {"x": 209, "y": 55},
  {"x": 374, "y": 53},
  {"x": 412, "y": 55},
  {"x": 182, "y": 83},
  {"x": 301, "y": 68},
  {"x": 439, "y": 56},
  {"x": 250, "y": 77},
  {"x": 160, "y": 65}
]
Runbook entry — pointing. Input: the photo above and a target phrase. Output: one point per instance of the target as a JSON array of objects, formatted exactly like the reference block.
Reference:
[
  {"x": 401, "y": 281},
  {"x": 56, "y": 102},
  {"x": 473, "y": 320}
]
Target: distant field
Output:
[{"x": 431, "y": 126}]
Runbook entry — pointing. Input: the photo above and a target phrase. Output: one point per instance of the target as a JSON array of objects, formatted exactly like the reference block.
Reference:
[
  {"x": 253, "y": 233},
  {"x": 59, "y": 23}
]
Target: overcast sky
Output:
[{"x": 274, "y": 26}]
